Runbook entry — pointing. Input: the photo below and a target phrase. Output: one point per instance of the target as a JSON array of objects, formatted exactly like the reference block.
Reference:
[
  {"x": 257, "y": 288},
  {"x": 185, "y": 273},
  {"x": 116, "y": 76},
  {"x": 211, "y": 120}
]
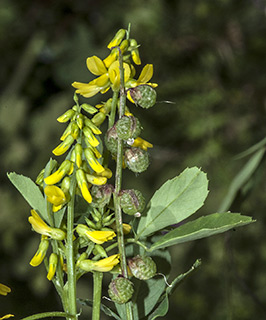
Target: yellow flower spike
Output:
[
  {"x": 65, "y": 168},
  {"x": 78, "y": 154},
  {"x": 53, "y": 260},
  {"x": 117, "y": 38},
  {"x": 96, "y": 180},
  {"x": 83, "y": 185},
  {"x": 4, "y": 290},
  {"x": 93, "y": 162},
  {"x": 141, "y": 143},
  {"x": 64, "y": 146},
  {"x": 55, "y": 195},
  {"x": 90, "y": 136},
  {"x": 103, "y": 265},
  {"x": 114, "y": 74},
  {"x": 69, "y": 114},
  {"x": 41, "y": 227},
  {"x": 41, "y": 253},
  {"x": 96, "y": 66}
]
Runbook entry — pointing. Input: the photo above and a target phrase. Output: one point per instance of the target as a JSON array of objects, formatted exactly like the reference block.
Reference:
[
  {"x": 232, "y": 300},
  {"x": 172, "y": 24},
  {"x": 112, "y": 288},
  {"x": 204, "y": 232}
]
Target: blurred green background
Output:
[{"x": 210, "y": 60}]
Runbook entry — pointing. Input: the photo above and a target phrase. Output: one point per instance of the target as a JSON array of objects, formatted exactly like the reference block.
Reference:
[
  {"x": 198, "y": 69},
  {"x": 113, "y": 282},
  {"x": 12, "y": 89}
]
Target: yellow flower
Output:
[
  {"x": 141, "y": 143},
  {"x": 103, "y": 265},
  {"x": 65, "y": 168},
  {"x": 106, "y": 77},
  {"x": 126, "y": 228},
  {"x": 97, "y": 237},
  {"x": 4, "y": 290},
  {"x": 41, "y": 252},
  {"x": 55, "y": 195},
  {"x": 41, "y": 227}
]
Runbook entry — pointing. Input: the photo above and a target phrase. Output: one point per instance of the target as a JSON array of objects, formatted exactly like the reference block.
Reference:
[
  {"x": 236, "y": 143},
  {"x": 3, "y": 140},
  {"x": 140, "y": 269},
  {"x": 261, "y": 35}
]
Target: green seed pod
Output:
[
  {"x": 110, "y": 140},
  {"x": 142, "y": 267},
  {"x": 143, "y": 95},
  {"x": 120, "y": 290},
  {"x": 128, "y": 127},
  {"x": 137, "y": 160},
  {"x": 131, "y": 201},
  {"x": 101, "y": 194}
]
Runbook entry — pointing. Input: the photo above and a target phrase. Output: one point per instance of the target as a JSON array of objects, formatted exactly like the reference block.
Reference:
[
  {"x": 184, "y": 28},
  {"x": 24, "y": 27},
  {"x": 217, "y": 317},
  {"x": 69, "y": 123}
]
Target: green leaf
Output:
[
  {"x": 202, "y": 227},
  {"x": 241, "y": 178},
  {"x": 163, "y": 305},
  {"x": 176, "y": 200},
  {"x": 30, "y": 191}
]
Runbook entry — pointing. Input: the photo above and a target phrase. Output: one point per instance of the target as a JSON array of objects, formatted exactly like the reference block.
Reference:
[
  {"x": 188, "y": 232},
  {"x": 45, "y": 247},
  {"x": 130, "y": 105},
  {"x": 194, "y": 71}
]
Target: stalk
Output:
[
  {"x": 97, "y": 294},
  {"x": 71, "y": 272},
  {"x": 118, "y": 183}
]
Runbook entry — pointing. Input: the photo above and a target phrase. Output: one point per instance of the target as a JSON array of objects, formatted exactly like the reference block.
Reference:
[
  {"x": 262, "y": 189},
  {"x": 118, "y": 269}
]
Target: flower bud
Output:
[
  {"x": 111, "y": 140},
  {"x": 102, "y": 194},
  {"x": 79, "y": 120},
  {"x": 53, "y": 260},
  {"x": 74, "y": 130},
  {"x": 117, "y": 38},
  {"x": 128, "y": 127},
  {"x": 93, "y": 162},
  {"x": 90, "y": 136},
  {"x": 64, "y": 146},
  {"x": 65, "y": 168},
  {"x": 69, "y": 114},
  {"x": 92, "y": 126},
  {"x": 134, "y": 51},
  {"x": 88, "y": 108},
  {"x": 142, "y": 267},
  {"x": 99, "y": 118},
  {"x": 78, "y": 154},
  {"x": 143, "y": 95},
  {"x": 131, "y": 201},
  {"x": 83, "y": 185},
  {"x": 120, "y": 290},
  {"x": 136, "y": 159},
  {"x": 41, "y": 252}
]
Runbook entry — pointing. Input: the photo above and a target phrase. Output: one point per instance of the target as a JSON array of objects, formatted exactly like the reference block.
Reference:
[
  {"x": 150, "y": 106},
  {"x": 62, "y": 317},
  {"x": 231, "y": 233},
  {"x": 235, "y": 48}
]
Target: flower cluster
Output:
[{"x": 82, "y": 179}]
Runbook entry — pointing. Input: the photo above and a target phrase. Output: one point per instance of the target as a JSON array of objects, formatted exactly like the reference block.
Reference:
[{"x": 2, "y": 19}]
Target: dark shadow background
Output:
[{"x": 210, "y": 61}]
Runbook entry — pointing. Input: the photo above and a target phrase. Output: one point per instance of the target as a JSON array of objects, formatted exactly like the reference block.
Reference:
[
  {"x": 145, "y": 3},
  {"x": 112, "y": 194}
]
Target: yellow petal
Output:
[
  {"x": 96, "y": 66},
  {"x": 55, "y": 195},
  {"x": 107, "y": 264},
  {"x": 146, "y": 74},
  {"x": 38, "y": 224},
  {"x": 114, "y": 73},
  {"x": 7, "y": 316},
  {"x": 85, "y": 192},
  {"x": 96, "y": 180},
  {"x": 100, "y": 237}
]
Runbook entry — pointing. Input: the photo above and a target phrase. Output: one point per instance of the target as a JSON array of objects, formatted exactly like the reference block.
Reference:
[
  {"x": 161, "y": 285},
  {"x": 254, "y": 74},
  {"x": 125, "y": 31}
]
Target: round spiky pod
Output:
[
  {"x": 120, "y": 290},
  {"x": 101, "y": 194},
  {"x": 132, "y": 201},
  {"x": 137, "y": 160},
  {"x": 128, "y": 127},
  {"x": 111, "y": 140},
  {"x": 142, "y": 267},
  {"x": 143, "y": 95}
]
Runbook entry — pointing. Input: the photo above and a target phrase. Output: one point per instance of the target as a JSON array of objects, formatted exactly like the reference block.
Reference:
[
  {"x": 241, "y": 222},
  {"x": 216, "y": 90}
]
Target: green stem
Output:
[
  {"x": 71, "y": 272},
  {"x": 113, "y": 109},
  {"x": 97, "y": 294},
  {"x": 48, "y": 315},
  {"x": 118, "y": 184}
]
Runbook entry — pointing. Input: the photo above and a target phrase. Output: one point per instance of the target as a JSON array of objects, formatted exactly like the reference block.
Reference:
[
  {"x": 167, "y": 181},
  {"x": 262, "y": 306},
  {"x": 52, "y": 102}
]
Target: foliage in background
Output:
[{"x": 210, "y": 59}]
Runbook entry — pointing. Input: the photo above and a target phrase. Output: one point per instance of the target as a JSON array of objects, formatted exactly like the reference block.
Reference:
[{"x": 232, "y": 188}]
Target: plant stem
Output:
[
  {"x": 48, "y": 315},
  {"x": 97, "y": 294},
  {"x": 118, "y": 183},
  {"x": 113, "y": 109},
  {"x": 71, "y": 272}
]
